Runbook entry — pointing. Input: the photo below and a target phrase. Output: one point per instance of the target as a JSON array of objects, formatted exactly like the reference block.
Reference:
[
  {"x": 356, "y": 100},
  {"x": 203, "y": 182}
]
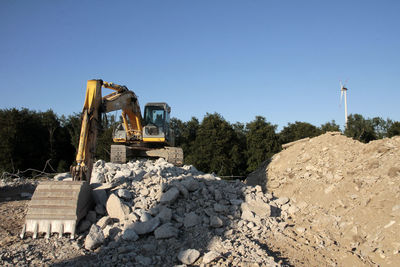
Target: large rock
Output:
[
  {"x": 95, "y": 238},
  {"x": 170, "y": 196},
  {"x": 99, "y": 164},
  {"x": 116, "y": 208},
  {"x": 111, "y": 231},
  {"x": 166, "y": 231},
  {"x": 104, "y": 221},
  {"x": 124, "y": 193},
  {"x": 281, "y": 201},
  {"x": 216, "y": 222},
  {"x": 97, "y": 177},
  {"x": 191, "y": 184},
  {"x": 145, "y": 216},
  {"x": 182, "y": 189},
  {"x": 129, "y": 235},
  {"x": 188, "y": 256},
  {"x": 62, "y": 176},
  {"x": 142, "y": 228},
  {"x": 165, "y": 214},
  {"x": 210, "y": 256},
  {"x": 260, "y": 208},
  {"x": 191, "y": 219}
]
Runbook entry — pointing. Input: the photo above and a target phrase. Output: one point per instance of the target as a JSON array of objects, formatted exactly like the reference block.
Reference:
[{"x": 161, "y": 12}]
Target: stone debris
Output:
[
  {"x": 95, "y": 238},
  {"x": 116, "y": 208},
  {"x": 166, "y": 231},
  {"x": 170, "y": 196},
  {"x": 330, "y": 201},
  {"x": 152, "y": 213},
  {"x": 210, "y": 256},
  {"x": 146, "y": 227},
  {"x": 188, "y": 256},
  {"x": 130, "y": 235}
]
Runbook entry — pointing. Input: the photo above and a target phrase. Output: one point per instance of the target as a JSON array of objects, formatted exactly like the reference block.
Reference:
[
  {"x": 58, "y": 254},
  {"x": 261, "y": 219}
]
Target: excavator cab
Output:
[{"x": 157, "y": 123}]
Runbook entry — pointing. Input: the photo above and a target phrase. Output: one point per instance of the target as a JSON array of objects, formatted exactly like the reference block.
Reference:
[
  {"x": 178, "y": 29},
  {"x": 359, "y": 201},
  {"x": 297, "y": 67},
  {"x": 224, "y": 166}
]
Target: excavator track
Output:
[
  {"x": 122, "y": 153},
  {"x": 57, "y": 207}
]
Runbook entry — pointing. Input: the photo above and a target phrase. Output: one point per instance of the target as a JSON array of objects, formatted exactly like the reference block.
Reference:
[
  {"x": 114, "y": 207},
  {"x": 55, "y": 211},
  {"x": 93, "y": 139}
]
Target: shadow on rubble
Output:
[
  {"x": 205, "y": 216},
  {"x": 259, "y": 176},
  {"x": 16, "y": 192}
]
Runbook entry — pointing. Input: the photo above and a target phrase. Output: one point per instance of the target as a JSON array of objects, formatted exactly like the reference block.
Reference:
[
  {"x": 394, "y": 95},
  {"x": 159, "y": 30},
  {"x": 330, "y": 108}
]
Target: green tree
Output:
[
  {"x": 380, "y": 126},
  {"x": 105, "y": 137},
  {"x": 73, "y": 126},
  {"x": 360, "y": 129},
  {"x": 185, "y": 136},
  {"x": 239, "y": 155},
  {"x": 24, "y": 140},
  {"x": 262, "y": 142},
  {"x": 215, "y": 146},
  {"x": 330, "y": 127},
  {"x": 394, "y": 129},
  {"x": 298, "y": 130}
]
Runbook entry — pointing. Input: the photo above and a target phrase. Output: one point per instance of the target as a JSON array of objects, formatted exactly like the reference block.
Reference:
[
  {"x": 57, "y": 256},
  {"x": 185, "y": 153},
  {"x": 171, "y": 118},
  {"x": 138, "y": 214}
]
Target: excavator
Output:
[{"x": 58, "y": 206}]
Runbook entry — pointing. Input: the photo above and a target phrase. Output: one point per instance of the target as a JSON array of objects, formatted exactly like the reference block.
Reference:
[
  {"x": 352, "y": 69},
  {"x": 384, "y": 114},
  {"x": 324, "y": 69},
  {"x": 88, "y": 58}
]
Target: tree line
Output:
[{"x": 29, "y": 139}]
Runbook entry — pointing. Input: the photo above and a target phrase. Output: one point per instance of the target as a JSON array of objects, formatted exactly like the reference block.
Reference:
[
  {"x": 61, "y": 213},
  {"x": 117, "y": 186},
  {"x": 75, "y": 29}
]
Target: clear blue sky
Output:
[{"x": 279, "y": 59}]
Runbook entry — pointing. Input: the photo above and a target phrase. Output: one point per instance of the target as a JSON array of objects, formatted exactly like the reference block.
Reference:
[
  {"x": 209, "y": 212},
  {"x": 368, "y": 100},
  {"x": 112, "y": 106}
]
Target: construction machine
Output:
[
  {"x": 136, "y": 136},
  {"x": 57, "y": 206}
]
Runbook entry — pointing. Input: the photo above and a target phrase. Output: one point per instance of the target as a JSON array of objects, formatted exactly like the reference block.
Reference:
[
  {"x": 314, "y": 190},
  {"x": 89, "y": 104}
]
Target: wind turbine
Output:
[{"x": 343, "y": 91}]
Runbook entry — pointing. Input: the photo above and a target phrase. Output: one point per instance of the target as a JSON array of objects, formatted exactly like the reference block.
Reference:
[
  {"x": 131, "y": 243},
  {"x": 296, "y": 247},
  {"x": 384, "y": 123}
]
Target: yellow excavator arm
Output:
[{"x": 94, "y": 106}]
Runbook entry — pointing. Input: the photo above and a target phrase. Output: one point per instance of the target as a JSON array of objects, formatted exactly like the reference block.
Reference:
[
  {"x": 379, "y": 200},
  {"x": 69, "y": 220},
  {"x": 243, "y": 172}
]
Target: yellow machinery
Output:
[
  {"x": 57, "y": 207},
  {"x": 135, "y": 137}
]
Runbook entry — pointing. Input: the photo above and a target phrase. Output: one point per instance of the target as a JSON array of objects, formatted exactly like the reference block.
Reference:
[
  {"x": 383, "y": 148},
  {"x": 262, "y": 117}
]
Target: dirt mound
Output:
[{"x": 348, "y": 195}]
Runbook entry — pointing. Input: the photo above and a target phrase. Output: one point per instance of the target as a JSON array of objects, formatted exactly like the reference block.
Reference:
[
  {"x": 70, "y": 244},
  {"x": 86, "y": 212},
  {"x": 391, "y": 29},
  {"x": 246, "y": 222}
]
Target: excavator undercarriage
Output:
[{"x": 122, "y": 153}]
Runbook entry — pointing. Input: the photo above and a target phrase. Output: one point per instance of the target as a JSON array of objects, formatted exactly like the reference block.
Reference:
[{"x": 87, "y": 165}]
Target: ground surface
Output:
[{"x": 342, "y": 209}]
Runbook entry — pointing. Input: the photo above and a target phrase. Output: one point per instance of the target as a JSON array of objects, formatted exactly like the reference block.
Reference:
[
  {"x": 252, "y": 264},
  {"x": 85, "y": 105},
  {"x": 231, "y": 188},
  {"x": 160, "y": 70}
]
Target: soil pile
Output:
[{"x": 348, "y": 195}]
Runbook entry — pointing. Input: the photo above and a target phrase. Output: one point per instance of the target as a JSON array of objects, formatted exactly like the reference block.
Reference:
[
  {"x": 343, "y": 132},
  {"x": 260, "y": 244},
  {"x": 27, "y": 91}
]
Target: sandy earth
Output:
[
  {"x": 348, "y": 194},
  {"x": 344, "y": 209}
]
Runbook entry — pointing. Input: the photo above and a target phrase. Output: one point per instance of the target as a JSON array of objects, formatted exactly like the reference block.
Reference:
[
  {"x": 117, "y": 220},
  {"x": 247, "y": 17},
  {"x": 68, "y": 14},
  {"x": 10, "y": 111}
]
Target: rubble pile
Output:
[
  {"x": 153, "y": 213},
  {"x": 348, "y": 194}
]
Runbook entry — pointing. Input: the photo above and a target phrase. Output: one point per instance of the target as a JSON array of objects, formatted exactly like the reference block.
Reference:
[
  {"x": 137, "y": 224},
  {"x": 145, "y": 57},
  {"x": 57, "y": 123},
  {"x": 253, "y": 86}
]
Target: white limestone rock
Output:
[
  {"x": 116, "y": 208},
  {"x": 210, "y": 256},
  {"x": 188, "y": 256},
  {"x": 166, "y": 230},
  {"x": 104, "y": 221},
  {"x": 95, "y": 238},
  {"x": 62, "y": 176},
  {"x": 142, "y": 228}
]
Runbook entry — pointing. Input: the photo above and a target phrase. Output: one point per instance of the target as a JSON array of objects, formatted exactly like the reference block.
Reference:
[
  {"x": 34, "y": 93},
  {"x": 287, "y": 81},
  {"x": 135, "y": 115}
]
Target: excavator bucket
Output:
[{"x": 57, "y": 207}]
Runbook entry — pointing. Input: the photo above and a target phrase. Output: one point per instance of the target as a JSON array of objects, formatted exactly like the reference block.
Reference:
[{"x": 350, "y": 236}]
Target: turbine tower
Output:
[{"x": 343, "y": 91}]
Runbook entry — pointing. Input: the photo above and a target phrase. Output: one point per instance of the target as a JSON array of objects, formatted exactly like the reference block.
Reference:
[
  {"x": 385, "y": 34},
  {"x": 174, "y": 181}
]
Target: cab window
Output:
[{"x": 155, "y": 115}]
